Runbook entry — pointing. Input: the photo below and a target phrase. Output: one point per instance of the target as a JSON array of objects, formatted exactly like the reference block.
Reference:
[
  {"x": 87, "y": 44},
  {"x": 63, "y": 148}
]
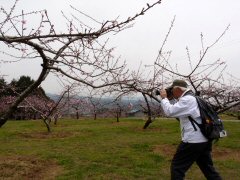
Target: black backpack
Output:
[{"x": 212, "y": 126}]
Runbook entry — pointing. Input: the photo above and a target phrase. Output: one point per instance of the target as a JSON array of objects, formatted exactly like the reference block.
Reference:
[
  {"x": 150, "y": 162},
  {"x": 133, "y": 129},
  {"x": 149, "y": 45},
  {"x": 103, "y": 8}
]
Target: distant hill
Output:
[
  {"x": 105, "y": 100},
  {"x": 54, "y": 97}
]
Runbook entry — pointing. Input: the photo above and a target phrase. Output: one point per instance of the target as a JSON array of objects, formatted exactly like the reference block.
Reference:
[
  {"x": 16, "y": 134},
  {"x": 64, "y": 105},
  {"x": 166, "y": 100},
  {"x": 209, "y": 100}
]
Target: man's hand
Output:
[{"x": 163, "y": 93}]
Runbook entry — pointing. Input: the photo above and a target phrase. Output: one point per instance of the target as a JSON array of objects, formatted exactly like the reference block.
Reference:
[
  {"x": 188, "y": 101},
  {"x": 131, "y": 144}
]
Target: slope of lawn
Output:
[{"x": 104, "y": 149}]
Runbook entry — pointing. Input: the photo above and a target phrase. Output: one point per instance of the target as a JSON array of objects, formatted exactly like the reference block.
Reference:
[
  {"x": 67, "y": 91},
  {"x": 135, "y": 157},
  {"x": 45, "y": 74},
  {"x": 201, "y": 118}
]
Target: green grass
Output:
[{"x": 105, "y": 149}]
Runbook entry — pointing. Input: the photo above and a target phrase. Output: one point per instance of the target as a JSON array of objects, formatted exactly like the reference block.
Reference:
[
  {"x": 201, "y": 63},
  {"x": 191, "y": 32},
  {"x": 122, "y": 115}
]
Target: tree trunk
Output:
[
  {"x": 149, "y": 113},
  {"x": 117, "y": 117},
  {"x": 47, "y": 125},
  {"x": 148, "y": 122},
  {"x": 5, "y": 116},
  {"x": 2, "y": 121},
  {"x": 55, "y": 120}
]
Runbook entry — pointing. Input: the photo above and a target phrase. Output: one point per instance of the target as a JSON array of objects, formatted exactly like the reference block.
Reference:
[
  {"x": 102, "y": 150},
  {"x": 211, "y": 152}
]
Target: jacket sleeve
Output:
[{"x": 179, "y": 109}]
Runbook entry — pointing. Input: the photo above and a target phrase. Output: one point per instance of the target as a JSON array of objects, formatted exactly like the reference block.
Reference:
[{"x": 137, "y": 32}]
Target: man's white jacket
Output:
[{"x": 184, "y": 107}]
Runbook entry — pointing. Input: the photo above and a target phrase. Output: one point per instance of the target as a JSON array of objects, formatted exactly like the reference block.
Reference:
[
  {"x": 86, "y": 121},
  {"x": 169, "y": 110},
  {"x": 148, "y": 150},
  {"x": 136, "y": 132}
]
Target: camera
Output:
[
  {"x": 157, "y": 92},
  {"x": 169, "y": 93}
]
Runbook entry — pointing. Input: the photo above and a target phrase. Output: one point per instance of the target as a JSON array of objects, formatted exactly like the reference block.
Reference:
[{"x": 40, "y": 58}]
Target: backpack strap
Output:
[
  {"x": 189, "y": 92},
  {"x": 193, "y": 122}
]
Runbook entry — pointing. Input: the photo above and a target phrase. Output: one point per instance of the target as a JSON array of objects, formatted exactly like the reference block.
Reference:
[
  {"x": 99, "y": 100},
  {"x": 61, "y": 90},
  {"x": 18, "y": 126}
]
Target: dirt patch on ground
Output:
[
  {"x": 46, "y": 135},
  {"x": 166, "y": 150},
  {"x": 225, "y": 154},
  {"x": 218, "y": 153},
  {"x": 27, "y": 167}
]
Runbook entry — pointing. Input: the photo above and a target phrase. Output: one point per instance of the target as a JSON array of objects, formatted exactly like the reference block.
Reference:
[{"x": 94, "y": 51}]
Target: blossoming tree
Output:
[{"x": 76, "y": 53}]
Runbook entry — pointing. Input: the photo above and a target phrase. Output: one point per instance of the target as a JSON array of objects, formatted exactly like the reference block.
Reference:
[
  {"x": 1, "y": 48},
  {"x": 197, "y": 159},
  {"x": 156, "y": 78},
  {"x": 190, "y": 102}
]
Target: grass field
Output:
[{"x": 104, "y": 149}]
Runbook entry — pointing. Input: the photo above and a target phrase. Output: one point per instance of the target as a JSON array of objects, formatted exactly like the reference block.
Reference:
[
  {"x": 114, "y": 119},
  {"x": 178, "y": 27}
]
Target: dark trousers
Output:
[{"x": 187, "y": 154}]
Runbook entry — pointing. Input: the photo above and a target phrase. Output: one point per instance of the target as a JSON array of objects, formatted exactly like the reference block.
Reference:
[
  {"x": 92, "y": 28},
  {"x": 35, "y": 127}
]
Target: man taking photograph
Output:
[{"x": 194, "y": 147}]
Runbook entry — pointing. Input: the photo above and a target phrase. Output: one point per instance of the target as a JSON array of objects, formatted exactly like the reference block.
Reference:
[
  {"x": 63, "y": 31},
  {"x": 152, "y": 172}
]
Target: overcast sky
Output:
[{"x": 142, "y": 42}]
